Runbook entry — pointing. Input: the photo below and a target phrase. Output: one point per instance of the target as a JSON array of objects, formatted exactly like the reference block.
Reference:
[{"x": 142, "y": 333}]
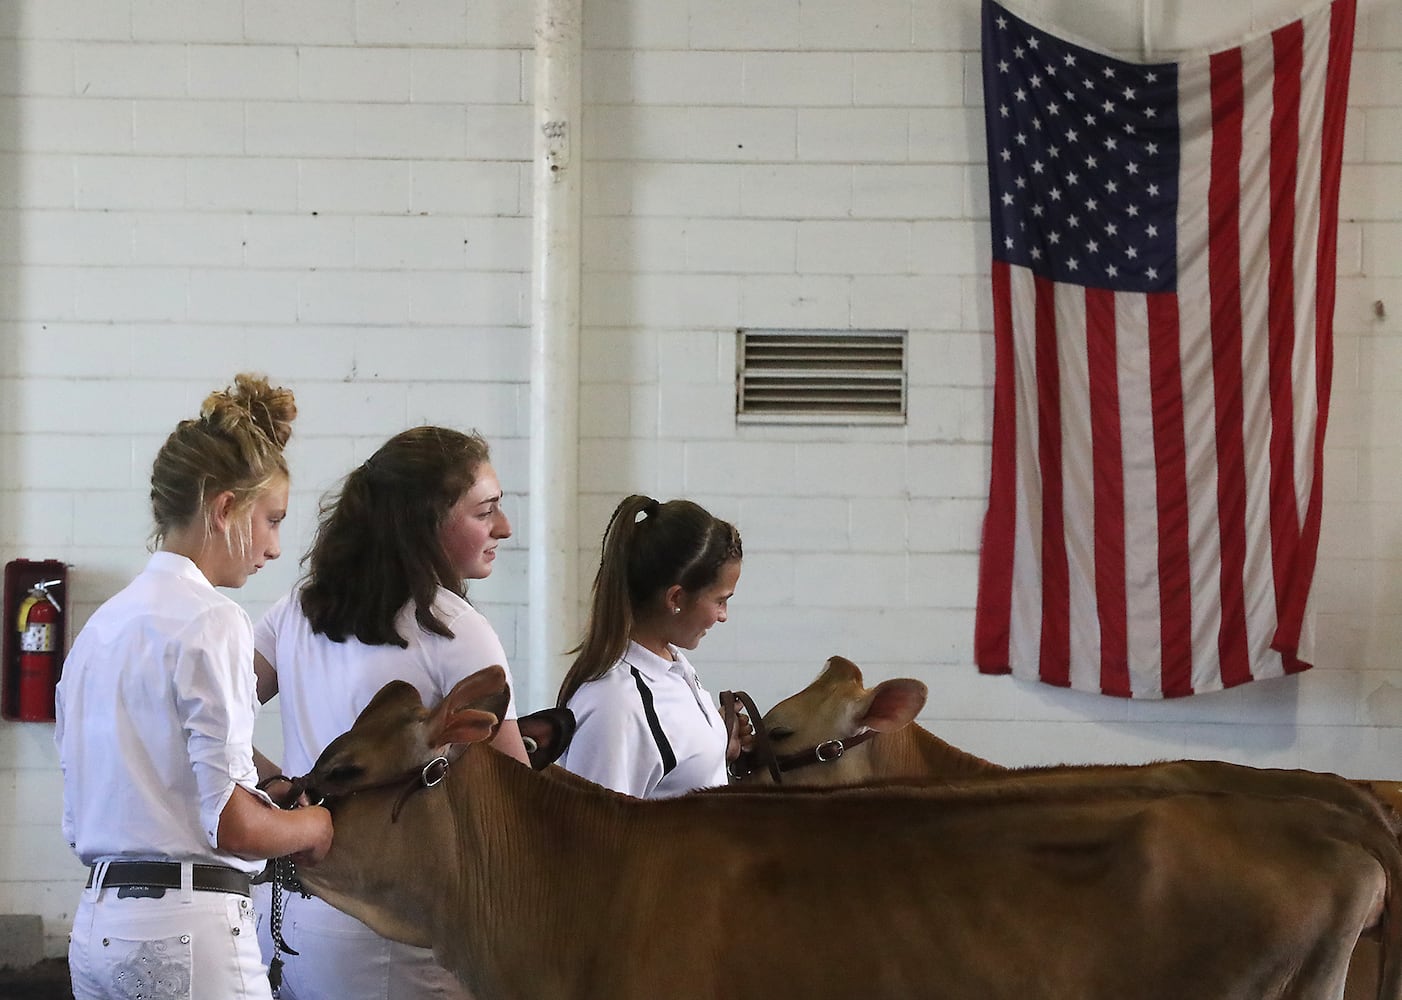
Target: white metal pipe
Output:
[
  {"x": 555, "y": 288},
  {"x": 1148, "y": 47}
]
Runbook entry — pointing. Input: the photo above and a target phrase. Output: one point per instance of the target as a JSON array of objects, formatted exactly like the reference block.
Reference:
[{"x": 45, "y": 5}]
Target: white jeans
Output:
[
  {"x": 339, "y": 958},
  {"x": 186, "y": 945}
]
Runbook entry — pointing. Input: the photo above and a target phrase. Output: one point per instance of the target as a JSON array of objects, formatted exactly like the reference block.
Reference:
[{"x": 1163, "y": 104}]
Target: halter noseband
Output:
[
  {"x": 427, "y": 776},
  {"x": 762, "y": 750}
]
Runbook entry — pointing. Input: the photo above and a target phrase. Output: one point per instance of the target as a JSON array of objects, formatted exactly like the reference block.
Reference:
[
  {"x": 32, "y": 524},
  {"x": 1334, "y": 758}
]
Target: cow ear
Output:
[
  {"x": 468, "y": 725},
  {"x": 839, "y": 669},
  {"x": 894, "y": 704},
  {"x": 395, "y": 695},
  {"x": 483, "y": 690},
  {"x": 546, "y": 734},
  {"x": 456, "y": 717}
]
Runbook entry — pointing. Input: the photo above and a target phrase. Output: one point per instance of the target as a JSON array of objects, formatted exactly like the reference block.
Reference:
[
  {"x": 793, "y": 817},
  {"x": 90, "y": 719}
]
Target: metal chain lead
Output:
[{"x": 283, "y": 874}]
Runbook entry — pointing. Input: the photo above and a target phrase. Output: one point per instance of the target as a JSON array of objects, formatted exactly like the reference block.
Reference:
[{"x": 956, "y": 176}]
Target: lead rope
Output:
[
  {"x": 283, "y": 874},
  {"x": 760, "y": 749}
]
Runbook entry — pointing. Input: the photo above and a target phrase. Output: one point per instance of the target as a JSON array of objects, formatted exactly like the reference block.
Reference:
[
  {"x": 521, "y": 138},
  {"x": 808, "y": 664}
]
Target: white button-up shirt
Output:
[
  {"x": 647, "y": 728},
  {"x": 155, "y": 720}
]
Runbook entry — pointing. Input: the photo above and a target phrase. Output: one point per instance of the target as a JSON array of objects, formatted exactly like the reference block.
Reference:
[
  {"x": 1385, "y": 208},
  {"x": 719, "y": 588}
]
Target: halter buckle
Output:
[
  {"x": 434, "y": 771},
  {"x": 829, "y": 750}
]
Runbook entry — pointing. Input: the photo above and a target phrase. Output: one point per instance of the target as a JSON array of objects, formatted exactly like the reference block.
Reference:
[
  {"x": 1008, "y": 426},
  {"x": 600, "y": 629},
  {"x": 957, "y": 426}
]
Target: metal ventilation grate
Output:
[{"x": 821, "y": 376}]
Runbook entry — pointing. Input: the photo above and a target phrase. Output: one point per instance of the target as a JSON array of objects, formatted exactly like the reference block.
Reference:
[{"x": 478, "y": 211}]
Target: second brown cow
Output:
[{"x": 836, "y": 732}]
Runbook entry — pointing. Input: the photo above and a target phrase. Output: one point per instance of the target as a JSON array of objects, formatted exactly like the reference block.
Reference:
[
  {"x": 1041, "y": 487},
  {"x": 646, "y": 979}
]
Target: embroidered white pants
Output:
[
  {"x": 339, "y": 958},
  {"x": 193, "y": 945}
]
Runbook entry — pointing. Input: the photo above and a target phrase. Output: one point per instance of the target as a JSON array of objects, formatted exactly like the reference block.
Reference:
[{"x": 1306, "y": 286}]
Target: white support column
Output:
[
  {"x": 554, "y": 452},
  {"x": 1148, "y": 46}
]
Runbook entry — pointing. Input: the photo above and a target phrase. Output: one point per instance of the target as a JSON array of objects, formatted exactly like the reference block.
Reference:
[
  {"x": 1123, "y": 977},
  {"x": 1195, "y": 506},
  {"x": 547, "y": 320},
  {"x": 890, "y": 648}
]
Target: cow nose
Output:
[{"x": 307, "y": 791}]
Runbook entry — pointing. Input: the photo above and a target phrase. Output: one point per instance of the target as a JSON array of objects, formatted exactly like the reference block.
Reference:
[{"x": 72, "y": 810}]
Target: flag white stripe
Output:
[
  {"x": 1142, "y": 607},
  {"x": 1025, "y": 632},
  {"x": 1195, "y": 357},
  {"x": 1078, "y": 485},
  {"x": 1258, "y": 583},
  {"x": 1307, "y": 222}
]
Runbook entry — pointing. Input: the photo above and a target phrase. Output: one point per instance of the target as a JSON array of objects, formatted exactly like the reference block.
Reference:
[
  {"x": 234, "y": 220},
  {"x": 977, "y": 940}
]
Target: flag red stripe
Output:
[
  {"x": 1054, "y": 666},
  {"x": 1224, "y": 290},
  {"x": 995, "y": 577},
  {"x": 1288, "y": 46},
  {"x": 1341, "y": 27},
  {"x": 1170, "y": 453},
  {"x": 1108, "y": 468}
]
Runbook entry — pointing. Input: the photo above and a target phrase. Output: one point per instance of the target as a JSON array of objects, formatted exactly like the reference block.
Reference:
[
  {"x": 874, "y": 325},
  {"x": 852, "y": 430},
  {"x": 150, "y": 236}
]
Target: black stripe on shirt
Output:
[{"x": 669, "y": 759}]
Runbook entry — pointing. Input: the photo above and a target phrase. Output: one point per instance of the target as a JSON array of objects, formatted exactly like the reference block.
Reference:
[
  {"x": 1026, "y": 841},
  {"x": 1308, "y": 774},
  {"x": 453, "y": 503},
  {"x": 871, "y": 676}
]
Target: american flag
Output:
[{"x": 1163, "y": 269}]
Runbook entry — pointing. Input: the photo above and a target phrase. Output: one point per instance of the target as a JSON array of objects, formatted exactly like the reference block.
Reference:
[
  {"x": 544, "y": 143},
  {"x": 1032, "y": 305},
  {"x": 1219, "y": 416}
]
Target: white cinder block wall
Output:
[{"x": 337, "y": 192}]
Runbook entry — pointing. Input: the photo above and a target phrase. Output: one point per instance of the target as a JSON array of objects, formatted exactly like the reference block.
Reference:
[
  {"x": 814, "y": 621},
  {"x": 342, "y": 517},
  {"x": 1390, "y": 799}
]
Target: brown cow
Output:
[
  {"x": 813, "y": 731},
  {"x": 837, "y": 732},
  {"x": 536, "y": 889}
]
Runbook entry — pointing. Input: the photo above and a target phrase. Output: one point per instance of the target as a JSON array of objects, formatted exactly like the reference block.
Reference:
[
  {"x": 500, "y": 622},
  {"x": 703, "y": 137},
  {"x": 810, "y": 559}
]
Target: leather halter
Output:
[
  {"x": 425, "y": 777},
  {"x": 759, "y": 743},
  {"x": 762, "y": 750}
]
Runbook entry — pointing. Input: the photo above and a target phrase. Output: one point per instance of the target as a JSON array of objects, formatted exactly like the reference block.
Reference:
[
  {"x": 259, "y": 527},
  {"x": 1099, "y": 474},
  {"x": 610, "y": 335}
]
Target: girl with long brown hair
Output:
[{"x": 384, "y": 598}]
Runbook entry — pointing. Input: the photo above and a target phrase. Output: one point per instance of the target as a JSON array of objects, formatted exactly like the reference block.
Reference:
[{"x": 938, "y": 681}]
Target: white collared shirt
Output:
[
  {"x": 155, "y": 720},
  {"x": 323, "y": 685},
  {"x": 647, "y": 728}
]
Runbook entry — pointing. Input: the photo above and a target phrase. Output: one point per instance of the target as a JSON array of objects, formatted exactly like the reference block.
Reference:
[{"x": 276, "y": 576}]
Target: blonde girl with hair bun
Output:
[
  {"x": 155, "y": 724},
  {"x": 231, "y": 452}
]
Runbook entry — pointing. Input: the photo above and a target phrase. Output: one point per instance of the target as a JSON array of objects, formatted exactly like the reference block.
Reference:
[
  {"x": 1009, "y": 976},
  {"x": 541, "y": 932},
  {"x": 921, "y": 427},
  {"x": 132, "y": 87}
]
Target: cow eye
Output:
[
  {"x": 345, "y": 774},
  {"x": 779, "y": 733}
]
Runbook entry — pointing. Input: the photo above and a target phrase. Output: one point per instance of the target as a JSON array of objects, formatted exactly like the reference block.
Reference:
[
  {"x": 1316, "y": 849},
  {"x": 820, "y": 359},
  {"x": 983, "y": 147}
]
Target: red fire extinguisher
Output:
[{"x": 38, "y": 652}]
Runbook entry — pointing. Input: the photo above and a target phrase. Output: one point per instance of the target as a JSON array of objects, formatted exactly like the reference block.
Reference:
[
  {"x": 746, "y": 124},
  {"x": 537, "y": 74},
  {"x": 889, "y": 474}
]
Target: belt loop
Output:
[
  {"x": 187, "y": 882},
  {"x": 99, "y": 875}
]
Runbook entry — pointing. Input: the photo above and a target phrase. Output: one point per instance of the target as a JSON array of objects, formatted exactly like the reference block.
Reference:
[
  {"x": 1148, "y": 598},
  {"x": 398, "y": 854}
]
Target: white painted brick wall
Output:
[{"x": 338, "y": 192}]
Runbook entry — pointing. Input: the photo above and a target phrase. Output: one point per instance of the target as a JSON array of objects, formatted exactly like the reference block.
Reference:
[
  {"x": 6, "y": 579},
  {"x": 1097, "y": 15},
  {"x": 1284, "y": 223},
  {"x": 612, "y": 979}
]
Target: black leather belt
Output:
[{"x": 162, "y": 875}]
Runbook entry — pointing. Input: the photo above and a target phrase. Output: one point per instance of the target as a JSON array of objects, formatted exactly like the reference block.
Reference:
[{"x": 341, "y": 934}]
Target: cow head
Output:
[
  {"x": 837, "y": 707},
  {"x": 396, "y": 736},
  {"x": 387, "y": 755}
]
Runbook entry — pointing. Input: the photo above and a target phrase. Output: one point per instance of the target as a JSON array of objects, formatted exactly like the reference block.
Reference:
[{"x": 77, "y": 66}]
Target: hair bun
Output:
[{"x": 254, "y": 401}]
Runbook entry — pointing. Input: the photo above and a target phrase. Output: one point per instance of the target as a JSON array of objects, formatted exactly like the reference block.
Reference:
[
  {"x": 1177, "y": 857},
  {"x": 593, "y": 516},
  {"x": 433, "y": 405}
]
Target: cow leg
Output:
[
  {"x": 1343, "y": 961},
  {"x": 1362, "y": 981}
]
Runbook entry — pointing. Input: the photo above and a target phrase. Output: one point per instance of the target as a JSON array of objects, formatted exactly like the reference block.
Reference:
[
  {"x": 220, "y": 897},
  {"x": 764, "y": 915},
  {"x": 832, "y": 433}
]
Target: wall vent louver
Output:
[{"x": 820, "y": 377}]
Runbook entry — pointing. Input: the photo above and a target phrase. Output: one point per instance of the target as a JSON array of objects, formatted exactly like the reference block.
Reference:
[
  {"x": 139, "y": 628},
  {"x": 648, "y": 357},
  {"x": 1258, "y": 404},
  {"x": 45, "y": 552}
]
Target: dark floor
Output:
[{"x": 46, "y": 981}]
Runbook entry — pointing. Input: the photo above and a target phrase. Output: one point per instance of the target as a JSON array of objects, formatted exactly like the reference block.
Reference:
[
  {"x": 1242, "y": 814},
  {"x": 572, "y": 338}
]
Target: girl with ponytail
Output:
[{"x": 646, "y": 726}]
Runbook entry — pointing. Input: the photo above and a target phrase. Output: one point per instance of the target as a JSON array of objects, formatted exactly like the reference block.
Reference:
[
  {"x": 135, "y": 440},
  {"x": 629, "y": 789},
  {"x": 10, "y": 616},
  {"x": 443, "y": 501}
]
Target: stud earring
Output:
[{"x": 676, "y": 611}]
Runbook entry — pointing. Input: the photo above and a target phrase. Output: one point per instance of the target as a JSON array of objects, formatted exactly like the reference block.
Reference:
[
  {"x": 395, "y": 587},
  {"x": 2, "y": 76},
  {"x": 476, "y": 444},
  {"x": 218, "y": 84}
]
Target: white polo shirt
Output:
[
  {"x": 155, "y": 720},
  {"x": 647, "y": 728},
  {"x": 323, "y": 685}
]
